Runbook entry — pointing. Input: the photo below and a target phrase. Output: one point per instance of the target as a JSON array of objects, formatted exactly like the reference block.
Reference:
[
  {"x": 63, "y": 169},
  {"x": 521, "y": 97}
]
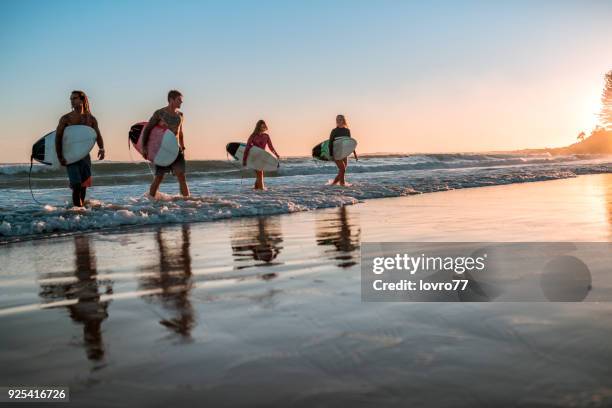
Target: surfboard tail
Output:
[
  {"x": 316, "y": 151},
  {"x": 135, "y": 132},
  {"x": 232, "y": 148},
  {"x": 38, "y": 150}
]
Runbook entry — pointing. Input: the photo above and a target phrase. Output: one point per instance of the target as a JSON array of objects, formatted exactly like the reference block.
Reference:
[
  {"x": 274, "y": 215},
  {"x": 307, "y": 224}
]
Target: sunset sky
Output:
[{"x": 410, "y": 76}]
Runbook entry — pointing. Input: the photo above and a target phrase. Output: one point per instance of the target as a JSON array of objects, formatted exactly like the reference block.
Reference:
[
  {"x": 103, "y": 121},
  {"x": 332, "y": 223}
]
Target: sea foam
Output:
[{"x": 299, "y": 186}]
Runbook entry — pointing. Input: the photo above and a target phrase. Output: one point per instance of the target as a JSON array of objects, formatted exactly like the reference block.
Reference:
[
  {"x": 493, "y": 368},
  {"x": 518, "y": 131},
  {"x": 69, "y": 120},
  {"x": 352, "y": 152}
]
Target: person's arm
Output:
[
  {"x": 246, "y": 149},
  {"x": 99, "y": 139},
  {"x": 59, "y": 138},
  {"x": 180, "y": 135},
  {"x": 272, "y": 148},
  {"x": 147, "y": 131},
  {"x": 354, "y": 151},
  {"x": 331, "y": 144}
]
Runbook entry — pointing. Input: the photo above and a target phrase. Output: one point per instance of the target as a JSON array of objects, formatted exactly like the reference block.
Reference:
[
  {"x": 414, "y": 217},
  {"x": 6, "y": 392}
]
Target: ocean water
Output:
[
  {"x": 271, "y": 306},
  {"x": 221, "y": 189}
]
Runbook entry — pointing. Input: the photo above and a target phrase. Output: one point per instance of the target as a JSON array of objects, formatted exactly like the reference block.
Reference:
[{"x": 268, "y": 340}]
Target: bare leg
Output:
[
  {"x": 337, "y": 178},
  {"x": 83, "y": 192},
  {"x": 340, "y": 177},
  {"x": 183, "y": 184},
  {"x": 155, "y": 185},
  {"x": 76, "y": 196},
  {"x": 259, "y": 180},
  {"x": 344, "y": 166}
]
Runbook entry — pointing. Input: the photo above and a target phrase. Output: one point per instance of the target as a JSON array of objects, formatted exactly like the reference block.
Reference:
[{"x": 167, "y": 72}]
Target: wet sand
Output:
[{"x": 267, "y": 311}]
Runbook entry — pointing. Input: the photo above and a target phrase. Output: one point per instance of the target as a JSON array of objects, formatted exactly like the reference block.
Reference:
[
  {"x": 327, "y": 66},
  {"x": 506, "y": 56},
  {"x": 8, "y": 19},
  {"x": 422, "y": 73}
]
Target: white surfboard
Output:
[
  {"x": 77, "y": 142},
  {"x": 258, "y": 159},
  {"x": 162, "y": 146},
  {"x": 168, "y": 149},
  {"x": 343, "y": 147}
]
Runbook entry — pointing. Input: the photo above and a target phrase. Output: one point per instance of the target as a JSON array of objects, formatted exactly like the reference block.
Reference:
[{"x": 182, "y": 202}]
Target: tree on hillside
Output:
[
  {"x": 605, "y": 116},
  {"x": 581, "y": 136}
]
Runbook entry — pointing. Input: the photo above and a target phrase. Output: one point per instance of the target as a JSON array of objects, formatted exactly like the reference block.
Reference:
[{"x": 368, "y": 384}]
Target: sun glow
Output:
[{"x": 588, "y": 112}]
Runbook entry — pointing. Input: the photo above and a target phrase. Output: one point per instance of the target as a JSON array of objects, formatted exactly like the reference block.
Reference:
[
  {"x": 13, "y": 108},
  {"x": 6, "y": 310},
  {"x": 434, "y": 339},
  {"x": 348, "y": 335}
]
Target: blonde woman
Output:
[{"x": 341, "y": 130}]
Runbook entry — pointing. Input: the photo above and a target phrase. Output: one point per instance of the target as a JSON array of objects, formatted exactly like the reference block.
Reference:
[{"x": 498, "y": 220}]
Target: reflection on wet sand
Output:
[
  {"x": 174, "y": 279},
  {"x": 256, "y": 242},
  {"x": 339, "y": 231},
  {"x": 607, "y": 188},
  {"x": 88, "y": 310}
]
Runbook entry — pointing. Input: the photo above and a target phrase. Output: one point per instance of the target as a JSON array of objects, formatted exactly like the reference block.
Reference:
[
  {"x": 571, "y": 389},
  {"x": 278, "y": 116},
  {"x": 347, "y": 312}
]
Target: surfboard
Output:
[
  {"x": 258, "y": 158},
  {"x": 343, "y": 147},
  {"x": 77, "y": 142},
  {"x": 162, "y": 146}
]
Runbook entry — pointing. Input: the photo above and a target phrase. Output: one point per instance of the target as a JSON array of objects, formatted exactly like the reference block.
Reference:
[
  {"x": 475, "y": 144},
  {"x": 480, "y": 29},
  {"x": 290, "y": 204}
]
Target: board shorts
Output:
[
  {"x": 79, "y": 173},
  {"x": 177, "y": 166}
]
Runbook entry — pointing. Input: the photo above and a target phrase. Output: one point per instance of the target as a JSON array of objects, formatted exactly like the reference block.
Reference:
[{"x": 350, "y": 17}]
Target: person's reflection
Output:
[
  {"x": 89, "y": 310},
  {"x": 174, "y": 280},
  {"x": 256, "y": 242},
  {"x": 339, "y": 232}
]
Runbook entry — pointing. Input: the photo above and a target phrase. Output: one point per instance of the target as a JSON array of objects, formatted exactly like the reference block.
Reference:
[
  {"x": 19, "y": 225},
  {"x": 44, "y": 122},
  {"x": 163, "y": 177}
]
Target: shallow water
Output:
[
  {"x": 118, "y": 198},
  {"x": 268, "y": 310}
]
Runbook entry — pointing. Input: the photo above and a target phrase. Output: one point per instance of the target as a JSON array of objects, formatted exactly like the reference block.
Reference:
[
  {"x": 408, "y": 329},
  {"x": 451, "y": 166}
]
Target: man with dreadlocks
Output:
[{"x": 79, "y": 173}]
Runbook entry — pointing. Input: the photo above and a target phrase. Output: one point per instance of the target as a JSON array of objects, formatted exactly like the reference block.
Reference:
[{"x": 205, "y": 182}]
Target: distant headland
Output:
[
  {"x": 598, "y": 142},
  {"x": 600, "y": 139}
]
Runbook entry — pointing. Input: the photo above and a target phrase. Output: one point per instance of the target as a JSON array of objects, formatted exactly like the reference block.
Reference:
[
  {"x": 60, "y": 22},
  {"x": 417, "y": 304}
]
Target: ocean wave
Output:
[
  {"x": 15, "y": 176},
  {"x": 23, "y": 168}
]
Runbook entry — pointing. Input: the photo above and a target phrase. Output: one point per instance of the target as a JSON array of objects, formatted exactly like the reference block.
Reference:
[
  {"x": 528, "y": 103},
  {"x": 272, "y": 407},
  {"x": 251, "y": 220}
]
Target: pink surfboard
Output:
[{"x": 162, "y": 146}]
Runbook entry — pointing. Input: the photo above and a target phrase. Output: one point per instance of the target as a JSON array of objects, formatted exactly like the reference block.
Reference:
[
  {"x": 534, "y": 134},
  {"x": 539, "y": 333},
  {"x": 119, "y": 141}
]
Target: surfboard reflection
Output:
[
  {"x": 89, "y": 310},
  {"x": 339, "y": 232},
  {"x": 256, "y": 242},
  {"x": 175, "y": 279}
]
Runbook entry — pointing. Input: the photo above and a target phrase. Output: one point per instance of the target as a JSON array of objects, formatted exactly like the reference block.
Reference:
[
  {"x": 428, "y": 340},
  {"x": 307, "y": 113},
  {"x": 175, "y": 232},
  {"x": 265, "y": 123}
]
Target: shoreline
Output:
[{"x": 5, "y": 240}]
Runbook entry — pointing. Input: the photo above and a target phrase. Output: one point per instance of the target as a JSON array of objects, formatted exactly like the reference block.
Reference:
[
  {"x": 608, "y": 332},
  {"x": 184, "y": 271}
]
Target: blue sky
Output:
[{"x": 410, "y": 76}]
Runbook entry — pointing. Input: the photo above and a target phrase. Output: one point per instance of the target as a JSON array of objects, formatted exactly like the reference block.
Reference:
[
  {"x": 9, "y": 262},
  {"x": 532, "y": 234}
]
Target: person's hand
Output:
[
  {"x": 162, "y": 123},
  {"x": 101, "y": 153},
  {"x": 62, "y": 161},
  {"x": 182, "y": 147}
]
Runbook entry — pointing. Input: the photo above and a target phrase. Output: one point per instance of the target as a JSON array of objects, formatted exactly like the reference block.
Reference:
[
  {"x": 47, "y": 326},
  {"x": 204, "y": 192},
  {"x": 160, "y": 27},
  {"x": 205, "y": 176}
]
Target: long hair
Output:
[
  {"x": 343, "y": 120},
  {"x": 260, "y": 124},
  {"x": 83, "y": 97}
]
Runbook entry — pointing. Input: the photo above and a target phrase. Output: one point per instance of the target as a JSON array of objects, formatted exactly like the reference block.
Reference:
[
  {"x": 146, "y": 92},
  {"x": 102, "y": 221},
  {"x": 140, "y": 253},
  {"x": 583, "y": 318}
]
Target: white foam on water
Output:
[{"x": 112, "y": 206}]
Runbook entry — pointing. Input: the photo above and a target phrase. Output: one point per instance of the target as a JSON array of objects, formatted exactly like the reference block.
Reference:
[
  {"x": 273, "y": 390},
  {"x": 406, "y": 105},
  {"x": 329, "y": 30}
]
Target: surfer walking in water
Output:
[
  {"x": 261, "y": 139},
  {"x": 171, "y": 118},
  {"x": 341, "y": 130},
  {"x": 79, "y": 173}
]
